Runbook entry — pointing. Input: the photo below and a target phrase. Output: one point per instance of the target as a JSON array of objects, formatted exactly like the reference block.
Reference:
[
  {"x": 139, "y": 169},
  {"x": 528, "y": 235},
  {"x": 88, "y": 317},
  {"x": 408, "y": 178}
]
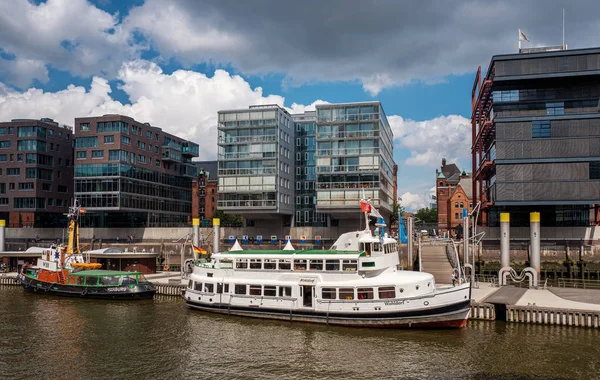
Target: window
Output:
[
  {"x": 365, "y": 293},
  {"x": 13, "y": 171},
  {"x": 255, "y": 264},
  {"x": 349, "y": 265},
  {"x": 346, "y": 293},
  {"x": 540, "y": 129},
  {"x": 198, "y": 286},
  {"x": 332, "y": 265},
  {"x": 84, "y": 127},
  {"x": 462, "y": 205},
  {"x": 240, "y": 289},
  {"x": 46, "y": 186},
  {"x": 125, "y": 140},
  {"x": 595, "y": 170},
  {"x": 86, "y": 142},
  {"x": 109, "y": 139},
  {"x": 241, "y": 264},
  {"x": 456, "y": 216},
  {"x": 97, "y": 154},
  {"x": 328, "y": 293},
  {"x": 299, "y": 264},
  {"x": 285, "y": 264},
  {"x": 270, "y": 264},
  {"x": 387, "y": 292},
  {"x": 270, "y": 291},
  {"x": 209, "y": 288},
  {"x": 62, "y": 189},
  {"x": 455, "y": 204},
  {"x": 316, "y": 264},
  {"x": 285, "y": 291},
  {"x": 4, "y": 144},
  {"x": 26, "y": 186},
  {"x": 81, "y": 155},
  {"x": 255, "y": 290},
  {"x": 555, "y": 108}
]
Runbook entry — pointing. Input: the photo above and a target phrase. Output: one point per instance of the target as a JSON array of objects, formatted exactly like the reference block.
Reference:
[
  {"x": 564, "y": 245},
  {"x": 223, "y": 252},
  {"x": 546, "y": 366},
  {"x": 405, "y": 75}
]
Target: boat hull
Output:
[
  {"x": 129, "y": 292},
  {"x": 451, "y": 316}
]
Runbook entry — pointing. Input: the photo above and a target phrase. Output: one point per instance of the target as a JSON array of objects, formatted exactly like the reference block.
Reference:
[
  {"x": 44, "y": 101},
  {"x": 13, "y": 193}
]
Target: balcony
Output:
[
  {"x": 250, "y": 171},
  {"x": 170, "y": 154},
  {"x": 246, "y": 188},
  {"x": 224, "y": 140},
  {"x": 347, "y": 168},
  {"x": 247, "y": 205},
  {"x": 347, "y": 151},
  {"x": 346, "y": 135},
  {"x": 189, "y": 149},
  {"x": 247, "y": 155}
]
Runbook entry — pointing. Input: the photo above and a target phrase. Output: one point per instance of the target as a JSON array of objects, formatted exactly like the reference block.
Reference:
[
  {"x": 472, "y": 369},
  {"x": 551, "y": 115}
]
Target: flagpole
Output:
[
  {"x": 519, "y": 38},
  {"x": 563, "y": 29}
]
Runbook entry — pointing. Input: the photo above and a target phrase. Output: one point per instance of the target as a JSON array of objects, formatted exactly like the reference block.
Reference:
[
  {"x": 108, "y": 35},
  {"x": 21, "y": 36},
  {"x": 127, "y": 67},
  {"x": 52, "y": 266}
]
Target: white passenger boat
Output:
[{"x": 357, "y": 282}]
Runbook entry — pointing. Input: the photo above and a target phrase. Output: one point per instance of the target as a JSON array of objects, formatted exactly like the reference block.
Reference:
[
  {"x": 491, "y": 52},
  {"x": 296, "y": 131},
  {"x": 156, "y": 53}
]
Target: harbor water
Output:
[{"x": 61, "y": 338}]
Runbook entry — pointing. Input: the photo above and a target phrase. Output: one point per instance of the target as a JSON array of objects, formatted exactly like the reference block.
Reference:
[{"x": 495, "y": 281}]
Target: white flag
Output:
[{"x": 522, "y": 36}]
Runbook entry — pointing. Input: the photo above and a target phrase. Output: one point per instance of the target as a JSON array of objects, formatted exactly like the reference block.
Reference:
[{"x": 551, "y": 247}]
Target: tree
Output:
[
  {"x": 396, "y": 209},
  {"x": 227, "y": 219},
  {"x": 427, "y": 215}
]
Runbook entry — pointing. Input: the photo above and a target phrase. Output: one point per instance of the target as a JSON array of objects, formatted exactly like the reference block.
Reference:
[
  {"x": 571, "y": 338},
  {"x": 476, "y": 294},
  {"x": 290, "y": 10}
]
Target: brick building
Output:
[
  {"x": 448, "y": 178},
  {"x": 204, "y": 191},
  {"x": 461, "y": 197},
  {"x": 36, "y": 172}
]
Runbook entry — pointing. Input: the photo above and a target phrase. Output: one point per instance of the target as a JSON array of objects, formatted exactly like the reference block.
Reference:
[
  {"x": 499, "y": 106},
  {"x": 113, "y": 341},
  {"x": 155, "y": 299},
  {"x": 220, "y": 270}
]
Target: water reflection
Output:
[{"x": 70, "y": 338}]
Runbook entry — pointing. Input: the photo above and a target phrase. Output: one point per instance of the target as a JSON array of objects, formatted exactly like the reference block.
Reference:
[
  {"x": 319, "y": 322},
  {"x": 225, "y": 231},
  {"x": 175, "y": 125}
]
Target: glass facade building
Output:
[
  {"x": 131, "y": 174},
  {"x": 354, "y": 159},
  {"x": 311, "y": 169},
  {"x": 256, "y": 163}
]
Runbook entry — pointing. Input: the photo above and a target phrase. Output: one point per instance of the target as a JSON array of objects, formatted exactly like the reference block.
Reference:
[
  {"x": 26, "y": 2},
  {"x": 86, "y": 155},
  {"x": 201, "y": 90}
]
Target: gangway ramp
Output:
[{"x": 435, "y": 261}]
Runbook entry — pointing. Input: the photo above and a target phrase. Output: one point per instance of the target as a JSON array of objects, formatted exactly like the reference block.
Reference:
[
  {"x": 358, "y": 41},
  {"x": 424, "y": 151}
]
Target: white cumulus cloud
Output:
[
  {"x": 413, "y": 202},
  {"x": 431, "y": 140}
]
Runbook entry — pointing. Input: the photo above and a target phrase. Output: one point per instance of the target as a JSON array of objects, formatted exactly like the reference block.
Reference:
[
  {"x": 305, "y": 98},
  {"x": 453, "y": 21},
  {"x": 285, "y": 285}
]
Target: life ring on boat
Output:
[
  {"x": 84, "y": 292},
  {"x": 166, "y": 268}
]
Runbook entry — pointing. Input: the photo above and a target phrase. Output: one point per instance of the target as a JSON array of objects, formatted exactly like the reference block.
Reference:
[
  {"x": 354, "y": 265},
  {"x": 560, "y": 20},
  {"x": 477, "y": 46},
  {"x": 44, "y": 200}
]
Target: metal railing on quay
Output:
[{"x": 578, "y": 283}]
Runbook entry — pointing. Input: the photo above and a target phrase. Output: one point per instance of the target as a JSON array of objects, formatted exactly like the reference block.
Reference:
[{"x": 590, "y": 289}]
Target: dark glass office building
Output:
[
  {"x": 131, "y": 174},
  {"x": 536, "y": 137}
]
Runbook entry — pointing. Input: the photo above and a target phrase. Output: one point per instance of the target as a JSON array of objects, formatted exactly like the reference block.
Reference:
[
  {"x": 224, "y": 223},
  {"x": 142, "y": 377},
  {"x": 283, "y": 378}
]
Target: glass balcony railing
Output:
[
  {"x": 251, "y": 171},
  {"x": 345, "y": 135},
  {"x": 248, "y": 155},
  {"x": 244, "y": 188},
  {"x": 347, "y": 185},
  {"x": 346, "y": 168},
  {"x": 247, "y": 204},
  {"x": 347, "y": 151},
  {"x": 247, "y": 139}
]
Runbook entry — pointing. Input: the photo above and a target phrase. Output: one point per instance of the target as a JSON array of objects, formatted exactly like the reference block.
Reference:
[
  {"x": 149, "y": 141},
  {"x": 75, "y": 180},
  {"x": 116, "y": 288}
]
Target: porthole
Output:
[
  {"x": 429, "y": 284},
  {"x": 210, "y": 300},
  {"x": 417, "y": 287},
  {"x": 401, "y": 290}
]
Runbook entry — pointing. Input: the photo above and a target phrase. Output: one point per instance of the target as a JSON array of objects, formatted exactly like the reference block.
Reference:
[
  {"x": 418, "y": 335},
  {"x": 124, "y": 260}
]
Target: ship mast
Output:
[{"x": 73, "y": 238}]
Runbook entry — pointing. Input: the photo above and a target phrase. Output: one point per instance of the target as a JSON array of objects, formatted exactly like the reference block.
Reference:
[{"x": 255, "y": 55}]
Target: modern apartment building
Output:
[
  {"x": 36, "y": 172},
  {"x": 307, "y": 170},
  {"x": 306, "y": 214},
  {"x": 131, "y": 174},
  {"x": 354, "y": 161},
  {"x": 536, "y": 137},
  {"x": 256, "y": 164}
]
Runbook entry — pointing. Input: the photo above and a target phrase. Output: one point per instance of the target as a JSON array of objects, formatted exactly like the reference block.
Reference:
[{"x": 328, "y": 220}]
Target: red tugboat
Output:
[{"x": 63, "y": 271}]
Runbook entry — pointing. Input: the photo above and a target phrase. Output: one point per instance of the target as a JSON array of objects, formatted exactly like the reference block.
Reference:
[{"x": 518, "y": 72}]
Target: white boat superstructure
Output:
[{"x": 355, "y": 283}]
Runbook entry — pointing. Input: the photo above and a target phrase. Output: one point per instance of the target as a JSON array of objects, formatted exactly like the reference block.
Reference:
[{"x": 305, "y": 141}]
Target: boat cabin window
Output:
[
  {"x": 226, "y": 264},
  {"x": 376, "y": 247},
  {"x": 366, "y": 248},
  {"x": 299, "y": 264},
  {"x": 240, "y": 289},
  {"x": 92, "y": 281},
  {"x": 329, "y": 293},
  {"x": 285, "y": 264},
  {"x": 209, "y": 288},
  {"x": 141, "y": 279},
  {"x": 255, "y": 290},
  {"x": 387, "y": 292},
  {"x": 128, "y": 280},
  {"x": 255, "y": 263},
  {"x": 270, "y": 264},
  {"x": 225, "y": 288},
  {"x": 316, "y": 264},
  {"x": 79, "y": 280},
  {"x": 198, "y": 286},
  {"x": 241, "y": 264},
  {"x": 191, "y": 284},
  {"x": 349, "y": 265},
  {"x": 109, "y": 280},
  {"x": 346, "y": 293},
  {"x": 270, "y": 291},
  {"x": 285, "y": 291},
  {"x": 365, "y": 293},
  {"x": 332, "y": 264}
]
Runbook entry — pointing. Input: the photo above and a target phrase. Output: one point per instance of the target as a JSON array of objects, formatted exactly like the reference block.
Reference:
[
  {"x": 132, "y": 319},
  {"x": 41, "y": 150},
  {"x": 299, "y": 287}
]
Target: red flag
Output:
[{"x": 365, "y": 207}]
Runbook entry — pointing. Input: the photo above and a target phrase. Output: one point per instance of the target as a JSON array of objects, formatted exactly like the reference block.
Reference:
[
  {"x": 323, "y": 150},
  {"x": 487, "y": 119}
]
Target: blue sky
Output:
[{"x": 176, "y": 63}]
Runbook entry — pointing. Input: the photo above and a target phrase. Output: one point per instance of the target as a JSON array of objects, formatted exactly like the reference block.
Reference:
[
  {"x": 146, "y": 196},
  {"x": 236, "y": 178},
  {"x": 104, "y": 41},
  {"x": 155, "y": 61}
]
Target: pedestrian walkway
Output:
[{"x": 435, "y": 261}]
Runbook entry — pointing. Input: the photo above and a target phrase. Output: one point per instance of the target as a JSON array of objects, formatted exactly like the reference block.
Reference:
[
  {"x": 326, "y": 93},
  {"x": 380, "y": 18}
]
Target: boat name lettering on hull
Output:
[
  {"x": 399, "y": 302},
  {"x": 121, "y": 289}
]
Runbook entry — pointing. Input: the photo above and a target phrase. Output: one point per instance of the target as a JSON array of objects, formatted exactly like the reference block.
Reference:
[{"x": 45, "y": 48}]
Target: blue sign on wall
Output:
[
  {"x": 245, "y": 239},
  {"x": 273, "y": 239},
  {"x": 231, "y": 239},
  {"x": 302, "y": 239},
  {"x": 258, "y": 239},
  {"x": 318, "y": 239},
  {"x": 288, "y": 238}
]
